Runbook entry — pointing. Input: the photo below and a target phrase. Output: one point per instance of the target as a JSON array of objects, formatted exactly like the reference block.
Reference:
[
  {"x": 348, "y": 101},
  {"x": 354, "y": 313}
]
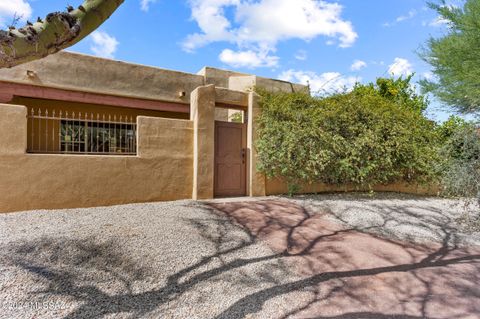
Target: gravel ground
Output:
[
  {"x": 175, "y": 259},
  {"x": 158, "y": 260},
  {"x": 397, "y": 216}
]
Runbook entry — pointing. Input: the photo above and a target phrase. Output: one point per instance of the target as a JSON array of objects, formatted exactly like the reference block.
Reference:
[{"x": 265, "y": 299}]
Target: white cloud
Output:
[
  {"x": 145, "y": 4},
  {"x": 301, "y": 55},
  {"x": 248, "y": 59},
  {"x": 258, "y": 25},
  {"x": 270, "y": 21},
  {"x": 104, "y": 45},
  {"x": 410, "y": 15},
  {"x": 10, "y": 8},
  {"x": 400, "y": 67},
  {"x": 358, "y": 65},
  {"x": 211, "y": 19},
  {"x": 438, "y": 22},
  {"x": 325, "y": 83},
  {"x": 428, "y": 76}
]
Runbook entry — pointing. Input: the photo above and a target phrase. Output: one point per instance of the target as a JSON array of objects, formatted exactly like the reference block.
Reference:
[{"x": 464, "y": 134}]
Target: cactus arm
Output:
[{"x": 58, "y": 31}]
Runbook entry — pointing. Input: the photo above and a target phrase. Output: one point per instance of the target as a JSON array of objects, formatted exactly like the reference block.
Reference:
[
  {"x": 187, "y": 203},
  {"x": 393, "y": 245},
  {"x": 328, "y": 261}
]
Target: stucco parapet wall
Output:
[
  {"x": 231, "y": 97},
  {"x": 256, "y": 180},
  {"x": 249, "y": 82},
  {"x": 155, "y": 133},
  {"x": 162, "y": 170},
  {"x": 279, "y": 85},
  {"x": 245, "y": 82},
  {"x": 13, "y": 129},
  {"x": 218, "y": 77},
  {"x": 203, "y": 116},
  {"x": 31, "y": 181},
  {"x": 276, "y": 186},
  {"x": 78, "y": 72}
]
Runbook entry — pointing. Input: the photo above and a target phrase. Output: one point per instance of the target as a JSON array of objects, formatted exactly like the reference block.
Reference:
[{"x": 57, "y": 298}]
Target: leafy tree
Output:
[
  {"x": 455, "y": 57},
  {"x": 450, "y": 127},
  {"x": 58, "y": 31},
  {"x": 400, "y": 91}
]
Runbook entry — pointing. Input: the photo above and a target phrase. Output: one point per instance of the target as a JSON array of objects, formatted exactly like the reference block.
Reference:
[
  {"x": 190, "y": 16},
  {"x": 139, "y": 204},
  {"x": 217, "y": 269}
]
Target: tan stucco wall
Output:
[
  {"x": 248, "y": 82},
  {"x": 278, "y": 187},
  {"x": 256, "y": 181},
  {"x": 78, "y": 72},
  {"x": 202, "y": 113},
  {"x": 278, "y": 85},
  {"x": 13, "y": 132},
  {"x": 241, "y": 81},
  {"x": 163, "y": 169},
  {"x": 81, "y": 109},
  {"x": 231, "y": 97},
  {"x": 218, "y": 77}
]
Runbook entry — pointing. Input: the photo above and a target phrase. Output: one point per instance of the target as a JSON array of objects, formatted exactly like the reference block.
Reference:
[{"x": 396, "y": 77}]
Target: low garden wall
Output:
[
  {"x": 278, "y": 187},
  {"x": 162, "y": 169}
]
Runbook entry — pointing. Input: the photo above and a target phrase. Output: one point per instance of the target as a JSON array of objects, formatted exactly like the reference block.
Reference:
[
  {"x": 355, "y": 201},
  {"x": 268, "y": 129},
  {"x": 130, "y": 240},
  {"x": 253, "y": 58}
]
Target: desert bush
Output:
[
  {"x": 461, "y": 162},
  {"x": 360, "y": 137},
  {"x": 460, "y": 169}
]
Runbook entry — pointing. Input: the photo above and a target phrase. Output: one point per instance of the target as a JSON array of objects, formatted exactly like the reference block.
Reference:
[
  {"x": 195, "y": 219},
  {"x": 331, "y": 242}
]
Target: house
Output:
[
  {"x": 80, "y": 131},
  {"x": 83, "y": 131}
]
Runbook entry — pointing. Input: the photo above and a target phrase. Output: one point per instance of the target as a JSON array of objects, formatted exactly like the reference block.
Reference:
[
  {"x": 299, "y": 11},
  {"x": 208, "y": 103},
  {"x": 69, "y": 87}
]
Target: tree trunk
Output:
[{"x": 60, "y": 30}]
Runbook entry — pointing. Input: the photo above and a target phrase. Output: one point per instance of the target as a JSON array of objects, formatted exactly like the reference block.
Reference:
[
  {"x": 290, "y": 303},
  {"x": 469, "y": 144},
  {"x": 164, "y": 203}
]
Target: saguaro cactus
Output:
[{"x": 58, "y": 31}]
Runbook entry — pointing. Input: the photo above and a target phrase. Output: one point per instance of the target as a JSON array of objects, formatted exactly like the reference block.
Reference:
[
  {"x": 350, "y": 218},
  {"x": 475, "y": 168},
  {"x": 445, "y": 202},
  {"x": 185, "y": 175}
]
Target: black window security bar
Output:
[{"x": 81, "y": 133}]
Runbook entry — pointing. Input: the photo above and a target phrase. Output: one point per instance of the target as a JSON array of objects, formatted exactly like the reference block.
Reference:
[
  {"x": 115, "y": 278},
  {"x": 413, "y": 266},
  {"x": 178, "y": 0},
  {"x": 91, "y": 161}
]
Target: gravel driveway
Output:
[
  {"x": 269, "y": 258},
  {"x": 397, "y": 216},
  {"x": 159, "y": 260}
]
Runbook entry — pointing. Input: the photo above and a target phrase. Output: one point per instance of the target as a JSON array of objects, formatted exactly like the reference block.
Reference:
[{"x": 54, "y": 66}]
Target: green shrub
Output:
[
  {"x": 361, "y": 138},
  {"x": 452, "y": 126},
  {"x": 461, "y": 162},
  {"x": 401, "y": 92}
]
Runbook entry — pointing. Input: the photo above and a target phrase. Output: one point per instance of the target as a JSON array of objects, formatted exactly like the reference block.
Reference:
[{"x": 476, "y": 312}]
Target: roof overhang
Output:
[{"x": 9, "y": 90}]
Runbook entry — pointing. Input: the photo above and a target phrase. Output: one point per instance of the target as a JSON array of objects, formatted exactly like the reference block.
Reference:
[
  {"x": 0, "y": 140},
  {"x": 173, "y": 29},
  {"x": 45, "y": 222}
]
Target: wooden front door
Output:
[{"x": 230, "y": 159}]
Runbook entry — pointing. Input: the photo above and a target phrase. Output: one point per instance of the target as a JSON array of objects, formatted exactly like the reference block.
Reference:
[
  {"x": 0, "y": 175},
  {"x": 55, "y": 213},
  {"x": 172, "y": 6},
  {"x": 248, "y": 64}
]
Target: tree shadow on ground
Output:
[
  {"x": 342, "y": 272},
  {"x": 359, "y": 274}
]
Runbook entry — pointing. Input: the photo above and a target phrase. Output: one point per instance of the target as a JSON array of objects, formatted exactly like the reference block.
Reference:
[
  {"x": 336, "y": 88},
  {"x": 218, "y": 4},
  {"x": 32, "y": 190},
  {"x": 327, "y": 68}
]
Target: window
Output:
[
  {"x": 81, "y": 133},
  {"x": 97, "y": 137}
]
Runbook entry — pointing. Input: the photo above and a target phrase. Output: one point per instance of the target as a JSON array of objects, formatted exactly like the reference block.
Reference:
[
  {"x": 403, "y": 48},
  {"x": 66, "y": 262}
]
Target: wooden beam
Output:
[
  {"x": 9, "y": 90},
  {"x": 5, "y": 97},
  {"x": 230, "y": 106}
]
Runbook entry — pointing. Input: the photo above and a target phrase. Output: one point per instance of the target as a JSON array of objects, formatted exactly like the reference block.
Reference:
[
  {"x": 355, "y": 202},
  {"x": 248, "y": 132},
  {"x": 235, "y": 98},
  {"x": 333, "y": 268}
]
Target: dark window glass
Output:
[{"x": 97, "y": 137}]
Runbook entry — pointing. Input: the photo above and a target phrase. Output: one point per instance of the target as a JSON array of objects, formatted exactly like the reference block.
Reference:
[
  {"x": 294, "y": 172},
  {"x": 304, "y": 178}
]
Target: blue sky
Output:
[{"x": 330, "y": 44}]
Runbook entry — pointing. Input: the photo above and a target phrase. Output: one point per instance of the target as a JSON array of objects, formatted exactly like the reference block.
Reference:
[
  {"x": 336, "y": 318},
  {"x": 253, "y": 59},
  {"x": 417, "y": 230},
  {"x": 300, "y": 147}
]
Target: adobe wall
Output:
[
  {"x": 278, "y": 187},
  {"x": 84, "y": 73},
  {"x": 162, "y": 170},
  {"x": 241, "y": 82}
]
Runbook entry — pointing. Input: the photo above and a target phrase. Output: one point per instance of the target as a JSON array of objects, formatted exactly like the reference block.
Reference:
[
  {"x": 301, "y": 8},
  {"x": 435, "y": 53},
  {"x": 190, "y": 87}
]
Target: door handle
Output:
[{"x": 244, "y": 153}]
